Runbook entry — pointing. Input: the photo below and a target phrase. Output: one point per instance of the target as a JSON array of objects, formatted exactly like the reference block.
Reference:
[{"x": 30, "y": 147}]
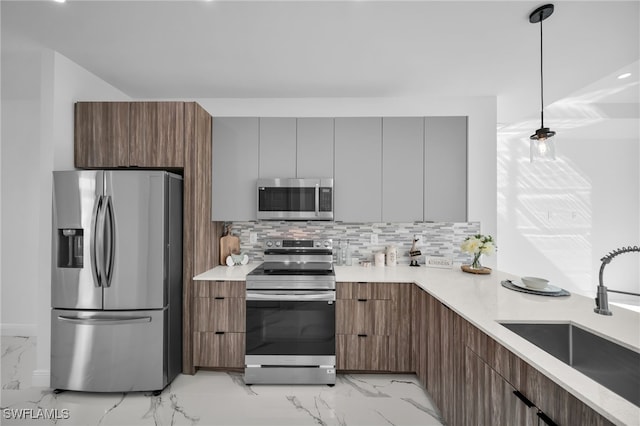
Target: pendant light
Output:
[{"x": 541, "y": 142}]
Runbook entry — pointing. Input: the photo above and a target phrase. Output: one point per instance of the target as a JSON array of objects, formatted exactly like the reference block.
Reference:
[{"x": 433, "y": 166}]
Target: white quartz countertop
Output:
[{"x": 482, "y": 301}]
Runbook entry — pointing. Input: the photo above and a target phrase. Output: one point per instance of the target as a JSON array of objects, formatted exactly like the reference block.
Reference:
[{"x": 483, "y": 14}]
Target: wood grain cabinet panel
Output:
[
  {"x": 365, "y": 352},
  {"x": 219, "y": 350},
  {"x": 400, "y": 341},
  {"x": 157, "y": 134},
  {"x": 362, "y": 316},
  {"x": 219, "y": 314},
  {"x": 363, "y": 290},
  {"x": 101, "y": 134},
  {"x": 219, "y": 289},
  {"x": 490, "y": 399}
]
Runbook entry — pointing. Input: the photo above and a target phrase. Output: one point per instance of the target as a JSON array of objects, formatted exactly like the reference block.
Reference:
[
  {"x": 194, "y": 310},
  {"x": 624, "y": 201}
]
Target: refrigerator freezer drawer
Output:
[{"x": 117, "y": 351}]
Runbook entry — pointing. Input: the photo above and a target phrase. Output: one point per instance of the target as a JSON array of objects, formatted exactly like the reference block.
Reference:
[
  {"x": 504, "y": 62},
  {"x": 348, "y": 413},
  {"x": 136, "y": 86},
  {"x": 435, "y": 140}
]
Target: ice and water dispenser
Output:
[{"x": 70, "y": 248}]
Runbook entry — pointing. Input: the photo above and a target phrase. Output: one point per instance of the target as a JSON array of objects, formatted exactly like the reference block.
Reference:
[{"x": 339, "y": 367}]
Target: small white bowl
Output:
[{"x": 535, "y": 282}]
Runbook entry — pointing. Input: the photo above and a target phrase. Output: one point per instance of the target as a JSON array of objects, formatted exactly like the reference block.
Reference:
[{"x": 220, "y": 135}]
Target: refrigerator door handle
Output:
[
  {"x": 110, "y": 239},
  {"x": 104, "y": 320},
  {"x": 96, "y": 244}
]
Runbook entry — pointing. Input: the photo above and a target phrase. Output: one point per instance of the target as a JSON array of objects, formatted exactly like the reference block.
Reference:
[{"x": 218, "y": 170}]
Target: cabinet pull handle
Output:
[
  {"x": 362, "y": 335},
  {"x": 546, "y": 419},
  {"x": 219, "y": 298},
  {"x": 219, "y": 332},
  {"x": 362, "y": 300},
  {"x": 523, "y": 398}
]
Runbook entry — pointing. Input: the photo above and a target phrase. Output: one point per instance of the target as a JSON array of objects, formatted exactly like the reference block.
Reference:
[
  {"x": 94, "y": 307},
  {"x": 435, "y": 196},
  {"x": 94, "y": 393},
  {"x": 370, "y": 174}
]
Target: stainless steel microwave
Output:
[{"x": 295, "y": 199}]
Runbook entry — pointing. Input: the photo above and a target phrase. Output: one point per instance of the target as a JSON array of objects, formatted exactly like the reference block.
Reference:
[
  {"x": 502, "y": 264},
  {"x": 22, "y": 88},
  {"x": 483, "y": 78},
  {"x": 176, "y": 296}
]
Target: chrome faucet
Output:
[{"x": 602, "y": 301}]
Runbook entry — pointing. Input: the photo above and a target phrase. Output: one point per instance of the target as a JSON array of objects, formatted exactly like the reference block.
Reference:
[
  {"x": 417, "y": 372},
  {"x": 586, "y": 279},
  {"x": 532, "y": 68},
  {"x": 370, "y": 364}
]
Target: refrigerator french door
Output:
[{"x": 116, "y": 288}]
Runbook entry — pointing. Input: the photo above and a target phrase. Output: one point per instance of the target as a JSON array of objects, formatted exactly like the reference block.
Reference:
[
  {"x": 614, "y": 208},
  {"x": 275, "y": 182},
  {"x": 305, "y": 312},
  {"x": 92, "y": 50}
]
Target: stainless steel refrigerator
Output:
[{"x": 116, "y": 280}]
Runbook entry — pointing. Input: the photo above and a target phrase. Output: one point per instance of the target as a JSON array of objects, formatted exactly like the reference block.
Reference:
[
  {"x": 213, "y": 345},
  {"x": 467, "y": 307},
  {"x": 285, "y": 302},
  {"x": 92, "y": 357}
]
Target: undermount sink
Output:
[{"x": 613, "y": 366}]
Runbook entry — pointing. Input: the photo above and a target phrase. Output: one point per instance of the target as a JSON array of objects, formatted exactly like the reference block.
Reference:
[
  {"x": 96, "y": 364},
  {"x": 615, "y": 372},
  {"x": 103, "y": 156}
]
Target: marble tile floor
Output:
[{"x": 213, "y": 398}]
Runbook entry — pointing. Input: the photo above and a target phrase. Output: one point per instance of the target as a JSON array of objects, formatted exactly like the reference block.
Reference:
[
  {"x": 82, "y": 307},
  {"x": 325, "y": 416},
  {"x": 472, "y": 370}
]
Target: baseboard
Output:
[
  {"x": 27, "y": 330},
  {"x": 41, "y": 378}
]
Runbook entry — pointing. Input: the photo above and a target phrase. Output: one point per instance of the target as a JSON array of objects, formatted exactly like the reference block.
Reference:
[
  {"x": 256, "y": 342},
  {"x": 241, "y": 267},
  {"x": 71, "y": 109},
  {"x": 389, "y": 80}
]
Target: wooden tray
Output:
[{"x": 469, "y": 269}]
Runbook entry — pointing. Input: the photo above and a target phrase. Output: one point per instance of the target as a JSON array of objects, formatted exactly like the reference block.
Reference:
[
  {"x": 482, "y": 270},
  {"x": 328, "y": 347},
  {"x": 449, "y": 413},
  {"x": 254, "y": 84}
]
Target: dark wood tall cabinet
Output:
[{"x": 176, "y": 136}]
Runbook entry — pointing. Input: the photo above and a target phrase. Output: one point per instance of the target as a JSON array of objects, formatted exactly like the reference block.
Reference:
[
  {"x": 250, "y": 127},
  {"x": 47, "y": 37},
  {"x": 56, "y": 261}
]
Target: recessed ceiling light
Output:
[
  {"x": 625, "y": 75},
  {"x": 59, "y": 1}
]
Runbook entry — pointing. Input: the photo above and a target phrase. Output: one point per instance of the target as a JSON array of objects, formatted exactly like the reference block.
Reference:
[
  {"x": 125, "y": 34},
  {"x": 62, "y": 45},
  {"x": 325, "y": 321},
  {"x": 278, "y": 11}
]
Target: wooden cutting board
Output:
[{"x": 228, "y": 244}]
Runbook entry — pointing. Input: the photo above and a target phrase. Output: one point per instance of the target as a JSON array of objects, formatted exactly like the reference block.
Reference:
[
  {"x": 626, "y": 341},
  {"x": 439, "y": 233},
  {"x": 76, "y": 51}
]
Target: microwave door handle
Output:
[{"x": 317, "y": 199}]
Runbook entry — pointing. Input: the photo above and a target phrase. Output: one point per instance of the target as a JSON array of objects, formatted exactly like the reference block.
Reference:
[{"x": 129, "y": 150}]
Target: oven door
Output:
[{"x": 290, "y": 323}]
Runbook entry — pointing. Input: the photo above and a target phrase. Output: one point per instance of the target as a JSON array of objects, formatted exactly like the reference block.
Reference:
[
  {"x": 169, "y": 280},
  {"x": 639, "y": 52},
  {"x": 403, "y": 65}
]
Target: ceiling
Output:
[{"x": 295, "y": 49}]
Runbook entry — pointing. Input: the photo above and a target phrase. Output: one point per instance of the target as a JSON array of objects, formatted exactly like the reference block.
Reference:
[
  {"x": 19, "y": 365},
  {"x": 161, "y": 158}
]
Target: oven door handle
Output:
[{"x": 306, "y": 297}]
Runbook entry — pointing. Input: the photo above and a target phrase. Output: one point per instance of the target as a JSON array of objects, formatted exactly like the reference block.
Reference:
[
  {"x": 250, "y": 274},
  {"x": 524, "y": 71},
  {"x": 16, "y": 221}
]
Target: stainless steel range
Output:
[{"x": 291, "y": 315}]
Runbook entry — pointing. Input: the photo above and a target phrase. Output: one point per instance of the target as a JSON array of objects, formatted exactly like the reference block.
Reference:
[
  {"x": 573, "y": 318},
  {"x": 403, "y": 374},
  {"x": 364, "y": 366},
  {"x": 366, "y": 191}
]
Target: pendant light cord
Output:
[{"x": 541, "y": 77}]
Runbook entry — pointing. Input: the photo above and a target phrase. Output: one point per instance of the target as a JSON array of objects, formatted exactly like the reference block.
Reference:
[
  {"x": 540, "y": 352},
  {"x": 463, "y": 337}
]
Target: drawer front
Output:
[
  {"x": 363, "y": 290},
  {"x": 367, "y": 353},
  {"x": 212, "y": 349},
  {"x": 219, "y": 289},
  {"x": 223, "y": 314},
  {"x": 363, "y": 316}
]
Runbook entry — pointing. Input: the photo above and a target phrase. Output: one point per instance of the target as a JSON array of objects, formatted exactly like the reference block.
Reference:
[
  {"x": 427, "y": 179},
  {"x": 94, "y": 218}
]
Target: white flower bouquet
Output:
[{"x": 477, "y": 245}]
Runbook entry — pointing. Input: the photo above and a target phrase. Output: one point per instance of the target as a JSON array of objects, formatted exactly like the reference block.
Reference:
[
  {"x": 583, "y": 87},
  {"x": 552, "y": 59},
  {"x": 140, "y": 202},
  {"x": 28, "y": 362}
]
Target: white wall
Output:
[
  {"x": 558, "y": 219},
  {"x": 38, "y": 92}
]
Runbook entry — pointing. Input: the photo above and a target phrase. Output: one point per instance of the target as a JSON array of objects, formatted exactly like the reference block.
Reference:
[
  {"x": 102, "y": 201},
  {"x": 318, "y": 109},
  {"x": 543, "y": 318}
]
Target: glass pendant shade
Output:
[{"x": 542, "y": 145}]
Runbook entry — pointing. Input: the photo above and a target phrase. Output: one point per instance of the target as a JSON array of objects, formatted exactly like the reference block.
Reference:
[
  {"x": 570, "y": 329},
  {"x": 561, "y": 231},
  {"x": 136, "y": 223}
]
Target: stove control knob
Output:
[
  {"x": 278, "y": 243},
  {"x": 326, "y": 244},
  {"x": 269, "y": 243},
  {"x": 317, "y": 244}
]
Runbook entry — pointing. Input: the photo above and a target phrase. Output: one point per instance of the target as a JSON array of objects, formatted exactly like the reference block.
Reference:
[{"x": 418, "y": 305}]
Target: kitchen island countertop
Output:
[{"x": 481, "y": 300}]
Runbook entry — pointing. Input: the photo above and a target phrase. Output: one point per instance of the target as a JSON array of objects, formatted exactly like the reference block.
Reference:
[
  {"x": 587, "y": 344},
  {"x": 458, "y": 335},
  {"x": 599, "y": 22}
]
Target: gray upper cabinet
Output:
[
  {"x": 277, "y": 148},
  {"x": 392, "y": 169},
  {"x": 445, "y": 169},
  {"x": 315, "y": 148},
  {"x": 358, "y": 169},
  {"x": 402, "y": 169},
  {"x": 235, "y": 168}
]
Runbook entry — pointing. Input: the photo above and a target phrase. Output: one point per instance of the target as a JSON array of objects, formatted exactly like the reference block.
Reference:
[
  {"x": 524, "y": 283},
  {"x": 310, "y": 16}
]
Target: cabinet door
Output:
[
  {"x": 400, "y": 345},
  {"x": 219, "y": 314},
  {"x": 235, "y": 168},
  {"x": 364, "y": 316},
  {"x": 363, "y": 290},
  {"x": 218, "y": 349},
  {"x": 445, "y": 169},
  {"x": 277, "y": 148},
  {"x": 101, "y": 134},
  {"x": 490, "y": 399},
  {"x": 367, "y": 353},
  {"x": 402, "y": 169},
  {"x": 157, "y": 134},
  {"x": 314, "y": 147},
  {"x": 358, "y": 169}
]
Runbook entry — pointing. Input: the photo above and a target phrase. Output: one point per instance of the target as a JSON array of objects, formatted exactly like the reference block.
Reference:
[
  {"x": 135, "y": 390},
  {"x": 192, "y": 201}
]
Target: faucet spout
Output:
[{"x": 602, "y": 300}]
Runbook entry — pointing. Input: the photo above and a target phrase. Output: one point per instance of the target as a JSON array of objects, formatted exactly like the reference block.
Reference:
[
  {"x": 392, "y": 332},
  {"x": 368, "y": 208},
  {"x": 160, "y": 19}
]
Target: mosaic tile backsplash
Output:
[{"x": 438, "y": 239}]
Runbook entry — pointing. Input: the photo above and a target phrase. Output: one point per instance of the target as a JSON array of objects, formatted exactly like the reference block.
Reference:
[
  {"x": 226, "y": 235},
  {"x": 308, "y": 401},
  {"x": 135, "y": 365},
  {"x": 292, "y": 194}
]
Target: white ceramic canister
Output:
[
  {"x": 392, "y": 255},
  {"x": 379, "y": 258}
]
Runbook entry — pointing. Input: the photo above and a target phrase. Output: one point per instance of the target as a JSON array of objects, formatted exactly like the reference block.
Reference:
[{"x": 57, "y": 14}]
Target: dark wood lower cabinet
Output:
[
  {"x": 362, "y": 352},
  {"x": 473, "y": 380},
  {"x": 219, "y": 349},
  {"x": 490, "y": 399}
]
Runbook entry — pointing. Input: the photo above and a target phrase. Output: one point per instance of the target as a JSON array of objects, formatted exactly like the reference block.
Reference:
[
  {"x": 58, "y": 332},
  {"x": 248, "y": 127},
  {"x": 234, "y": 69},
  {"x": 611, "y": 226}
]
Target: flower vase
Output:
[{"x": 476, "y": 261}]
